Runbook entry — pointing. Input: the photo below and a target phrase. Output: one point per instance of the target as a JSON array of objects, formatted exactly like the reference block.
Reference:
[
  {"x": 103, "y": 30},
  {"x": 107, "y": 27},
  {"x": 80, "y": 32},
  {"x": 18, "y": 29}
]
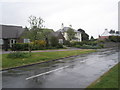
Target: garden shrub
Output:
[
  {"x": 86, "y": 47},
  {"x": 114, "y": 38},
  {"x": 84, "y": 44},
  {"x": 38, "y": 45},
  {"x": 59, "y": 46},
  {"x": 18, "y": 55},
  {"x": 20, "y": 47},
  {"x": 41, "y": 43},
  {"x": 54, "y": 41},
  {"x": 92, "y": 43},
  {"x": 77, "y": 46},
  {"x": 101, "y": 46},
  {"x": 101, "y": 41},
  {"x": 67, "y": 43}
]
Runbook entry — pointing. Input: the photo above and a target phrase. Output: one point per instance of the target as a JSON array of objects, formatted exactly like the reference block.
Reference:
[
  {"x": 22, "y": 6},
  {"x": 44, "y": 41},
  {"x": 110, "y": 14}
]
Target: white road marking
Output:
[{"x": 46, "y": 73}]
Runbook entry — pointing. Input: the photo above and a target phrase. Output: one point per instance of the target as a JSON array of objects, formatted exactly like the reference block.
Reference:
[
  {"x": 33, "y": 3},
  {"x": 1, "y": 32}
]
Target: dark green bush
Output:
[
  {"x": 26, "y": 46},
  {"x": 114, "y": 38},
  {"x": 78, "y": 46},
  {"x": 101, "y": 46},
  {"x": 59, "y": 46},
  {"x": 101, "y": 41},
  {"x": 18, "y": 55},
  {"x": 88, "y": 47},
  {"x": 67, "y": 43},
  {"x": 20, "y": 47},
  {"x": 77, "y": 43},
  {"x": 38, "y": 47},
  {"x": 92, "y": 43}
]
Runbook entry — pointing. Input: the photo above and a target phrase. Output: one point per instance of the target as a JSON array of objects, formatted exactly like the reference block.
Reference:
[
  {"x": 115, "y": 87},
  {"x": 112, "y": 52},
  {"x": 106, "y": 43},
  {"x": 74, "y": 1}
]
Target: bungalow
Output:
[
  {"x": 64, "y": 33},
  {"x": 106, "y": 34},
  {"x": 9, "y": 35}
]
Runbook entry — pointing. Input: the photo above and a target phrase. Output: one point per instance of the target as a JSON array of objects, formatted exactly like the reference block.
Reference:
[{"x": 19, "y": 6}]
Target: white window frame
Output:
[
  {"x": 12, "y": 41},
  {"x": 26, "y": 40}
]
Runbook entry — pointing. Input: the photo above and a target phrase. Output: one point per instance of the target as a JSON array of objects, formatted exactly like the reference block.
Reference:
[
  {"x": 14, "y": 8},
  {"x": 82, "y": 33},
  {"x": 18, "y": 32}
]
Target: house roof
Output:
[
  {"x": 57, "y": 34},
  {"x": 107, "y": 33},
  {"x": 8, "y": 31},
  {"x": 65, "y": 29}
]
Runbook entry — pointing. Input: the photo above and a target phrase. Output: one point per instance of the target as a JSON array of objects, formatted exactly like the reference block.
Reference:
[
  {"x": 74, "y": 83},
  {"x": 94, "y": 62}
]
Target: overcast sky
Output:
[{"x": 91, "y": 15}]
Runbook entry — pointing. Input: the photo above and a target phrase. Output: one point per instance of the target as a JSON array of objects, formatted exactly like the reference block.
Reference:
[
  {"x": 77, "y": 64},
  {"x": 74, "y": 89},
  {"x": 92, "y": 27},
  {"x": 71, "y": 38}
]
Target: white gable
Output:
[{"x": 106, "y": 33}]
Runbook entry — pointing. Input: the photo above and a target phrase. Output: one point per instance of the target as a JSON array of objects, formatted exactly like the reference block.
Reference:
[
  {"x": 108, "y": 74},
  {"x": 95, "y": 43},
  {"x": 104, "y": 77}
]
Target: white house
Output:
[
  {"x": 106, "y": 34},
  {"x": 64, "y": 30}
]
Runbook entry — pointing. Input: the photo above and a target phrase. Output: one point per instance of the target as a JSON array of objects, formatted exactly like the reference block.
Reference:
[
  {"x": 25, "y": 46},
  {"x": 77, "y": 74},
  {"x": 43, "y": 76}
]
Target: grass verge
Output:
[
  {"x": 108, "y": 80},
  {"x": 40, "y": 57}
]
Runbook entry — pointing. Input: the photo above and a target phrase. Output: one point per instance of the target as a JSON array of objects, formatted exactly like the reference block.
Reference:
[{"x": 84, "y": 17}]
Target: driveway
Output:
[{"x": 75, "y": 72}]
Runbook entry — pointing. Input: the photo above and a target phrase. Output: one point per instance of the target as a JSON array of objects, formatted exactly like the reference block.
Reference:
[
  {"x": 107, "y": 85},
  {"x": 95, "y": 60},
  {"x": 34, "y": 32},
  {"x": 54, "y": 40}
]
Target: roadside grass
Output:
[
  {"x": 37, "y": 57},
  {"x": 108, "y": 80}
]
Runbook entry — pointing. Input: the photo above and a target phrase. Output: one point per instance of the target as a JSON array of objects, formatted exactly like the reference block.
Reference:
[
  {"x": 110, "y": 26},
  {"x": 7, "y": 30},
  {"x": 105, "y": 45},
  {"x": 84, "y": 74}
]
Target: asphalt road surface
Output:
[{"x": 75, "y": 72}]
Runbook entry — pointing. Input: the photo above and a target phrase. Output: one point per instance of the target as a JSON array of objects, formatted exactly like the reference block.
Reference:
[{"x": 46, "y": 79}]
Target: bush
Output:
[
  {"x": 92, "y": 43},
  {"x": 54, "y": 41},
  {"x": 88, "y": 47},
  {"x": 67, "y": 43},
  {"x": 78, "y": 44},
  {"x": 38, "y": 45},
  {"x": 74, "y": 43},
  {"x": 114, "y": 38},
  {"x": 20, "y": 47},
  {"x": 41, "y": 43},
  {"x": 59, "y": 46},
  {"x": 18, "y": 55},
  {"x": 101, "y": 46},
  {"x": 101, "y": 41}
]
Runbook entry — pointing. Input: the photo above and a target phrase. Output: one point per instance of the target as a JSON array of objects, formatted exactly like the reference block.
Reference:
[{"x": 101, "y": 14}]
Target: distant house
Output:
[
  {"x": 106, "y": 34},
  {"x": 10, "y": 35},
  {"x": 59, "y": 36},
  {"x": 64, "y": 33}
]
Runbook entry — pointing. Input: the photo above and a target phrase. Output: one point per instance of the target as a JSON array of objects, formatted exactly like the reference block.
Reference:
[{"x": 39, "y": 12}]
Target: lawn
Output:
[
  {"x": 40, "y": 57},
  {"x": 108, "y": 80}
]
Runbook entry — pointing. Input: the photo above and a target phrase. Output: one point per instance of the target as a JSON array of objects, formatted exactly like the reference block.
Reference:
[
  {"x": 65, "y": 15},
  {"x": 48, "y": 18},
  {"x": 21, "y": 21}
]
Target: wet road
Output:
[{"x": 75, "y": 72}]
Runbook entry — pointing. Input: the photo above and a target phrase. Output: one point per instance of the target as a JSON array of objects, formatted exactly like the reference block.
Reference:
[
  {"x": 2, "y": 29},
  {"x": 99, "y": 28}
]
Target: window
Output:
[
  {"x": 1, "y": 41},
  {"x": 12, "y": 41},
  {"x": 61, "y": 41},
  {"x": 26, "y": 40}
]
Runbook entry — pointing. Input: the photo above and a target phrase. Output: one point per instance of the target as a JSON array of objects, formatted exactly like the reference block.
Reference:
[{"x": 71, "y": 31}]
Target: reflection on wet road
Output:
[{"x": 75, "y": 72}]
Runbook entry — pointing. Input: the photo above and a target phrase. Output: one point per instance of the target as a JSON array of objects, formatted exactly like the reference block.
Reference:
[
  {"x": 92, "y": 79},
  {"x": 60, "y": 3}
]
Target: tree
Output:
[
  {"x": 92, "y": 38},
  {"x": 46, "y": 35},
  {"x": 35, "y": 22},
  {"x": 71, "y": 34},
  {"x": 117, "y": 32},
  {"x": 84, "y": 35},
  {"x": 35, "y": 30},
  {"x": 112, "y": 31}
]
